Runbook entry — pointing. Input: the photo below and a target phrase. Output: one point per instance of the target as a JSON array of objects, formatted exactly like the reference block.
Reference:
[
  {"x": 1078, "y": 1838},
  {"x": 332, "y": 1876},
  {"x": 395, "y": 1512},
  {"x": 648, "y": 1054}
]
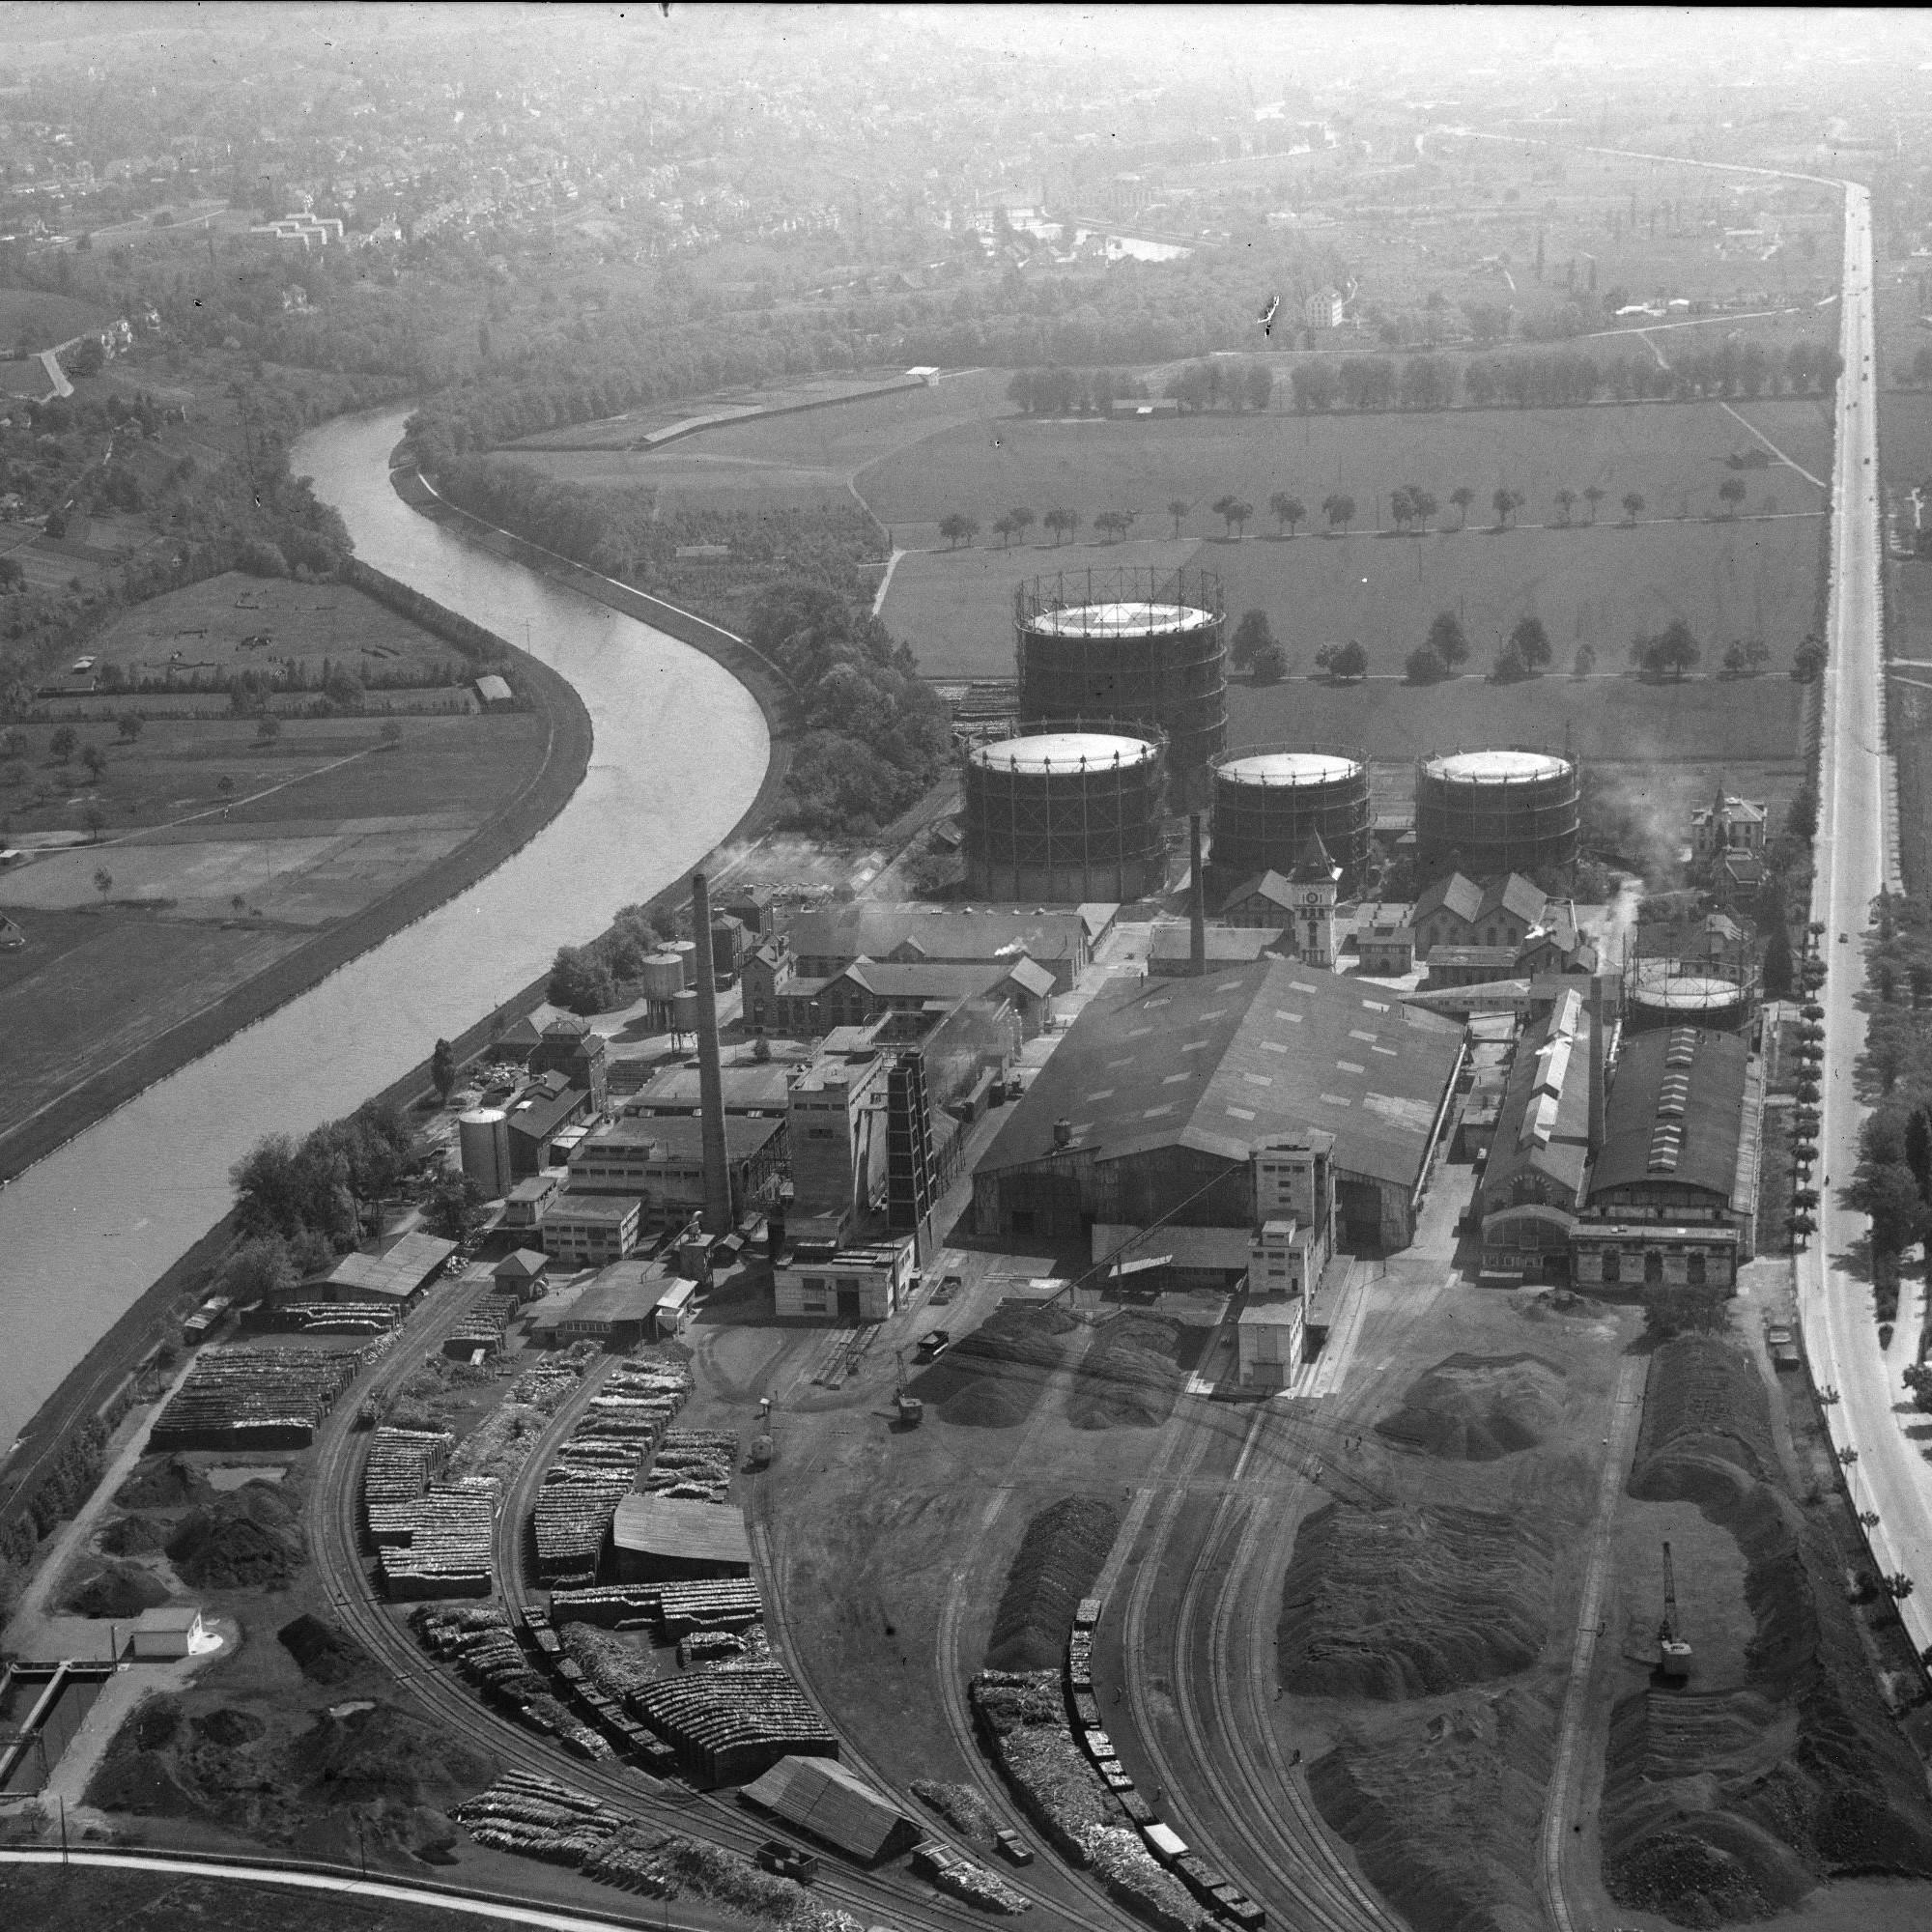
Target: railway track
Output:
[
  {"x": 1308, "y": 1886},
  {"x": 335, "y": 1539}
]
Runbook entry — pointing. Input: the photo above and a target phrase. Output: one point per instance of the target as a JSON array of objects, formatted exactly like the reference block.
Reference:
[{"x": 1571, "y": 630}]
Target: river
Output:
[{"x": 680, "y": 751}]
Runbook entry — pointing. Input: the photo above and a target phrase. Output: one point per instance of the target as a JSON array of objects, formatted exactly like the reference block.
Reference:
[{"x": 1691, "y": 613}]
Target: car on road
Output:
[
  {"x": 1841, "y": 939},
  {"x": 1014, "y": 1845},
  {"x": 933, "y": 1343}
]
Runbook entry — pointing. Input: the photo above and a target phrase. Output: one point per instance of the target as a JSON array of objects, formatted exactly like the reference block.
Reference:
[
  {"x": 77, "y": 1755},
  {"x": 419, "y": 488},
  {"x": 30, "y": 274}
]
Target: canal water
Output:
[{"x": 679, "y": 754}]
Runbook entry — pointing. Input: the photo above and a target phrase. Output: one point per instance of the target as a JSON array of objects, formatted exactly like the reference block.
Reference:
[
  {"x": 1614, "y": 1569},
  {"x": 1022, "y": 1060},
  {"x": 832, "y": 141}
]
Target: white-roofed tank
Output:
[
  {"x": 1509, "y": 808},
  {"x": 1269, "y": 800}
]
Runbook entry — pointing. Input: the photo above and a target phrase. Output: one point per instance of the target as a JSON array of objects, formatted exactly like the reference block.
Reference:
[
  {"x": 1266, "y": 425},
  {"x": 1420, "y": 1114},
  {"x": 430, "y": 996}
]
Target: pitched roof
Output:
[
  {"x": 1522, "y": 897},
  {"x": 819, "y": 1796},
  {"x": 1462, "y": 896},
  {"x": 1246, "y": 1052},
  {"x": 679, "y": 1526},
  {"x": 870, "y": 930},
  {"x": 1675, "y": 1110},
  {"x": 525, "y": 1264},
  {"x": 1268, "y": 886},
  {"x": 894, "y": 979},
  {"x": 1313, "y": 865},
  {"x": 1543, "y": 1125},
  {"x": 1172, "y": 940},
  {"x": 399, "y": 1271},
  {"x": 1032, "y": 978}
]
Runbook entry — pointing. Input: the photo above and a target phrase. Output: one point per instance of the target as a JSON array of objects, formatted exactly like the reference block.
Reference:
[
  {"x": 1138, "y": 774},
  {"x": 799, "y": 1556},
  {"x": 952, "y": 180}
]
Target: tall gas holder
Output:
[
  {"x": 1270, "y": 799},
  {"x": 1515, "y": 808},
  {"x": 1066, "y": 813},
  {"x": 1142, "y": 646}
]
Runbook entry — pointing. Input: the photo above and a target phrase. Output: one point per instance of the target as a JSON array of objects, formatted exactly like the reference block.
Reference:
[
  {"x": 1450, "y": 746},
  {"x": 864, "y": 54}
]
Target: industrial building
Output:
[
  {"x": 1461, "y": 912},
  {"x": 1140, "y": 645},
  {"x": 660, "y": 1163},
  {"x": 1622, "y": 1159},
  {"x": 169, "y": 1631},
  {"x": 823, "y": 1281},
  {"x": 754, "y": 1089},
  {"x": 397, "y": 1273},
  {"x": 571, "y": 1048},
  {"x": 677, "y": 1540},
  {"x": 591, "y": 1229},
  {"x": 617, "y": 1309},
  {"x": 1067, "y": 815},
  {"x": 537, "y": 1118},
  {"x": 1486, "y": 814},
  {"x": 1152, "y": 1104},
  {"x": 1269, "y": 801},
  {"x": 520, "y": 1273},
  {"x": 827, "y": 940},
  {"x": 865, "y": 989},
  {"x": 525, "y": 1204}
]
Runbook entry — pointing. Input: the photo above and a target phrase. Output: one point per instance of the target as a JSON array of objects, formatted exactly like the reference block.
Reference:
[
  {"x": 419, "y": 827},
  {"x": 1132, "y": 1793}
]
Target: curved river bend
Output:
[{"x": 680, "y": 751}]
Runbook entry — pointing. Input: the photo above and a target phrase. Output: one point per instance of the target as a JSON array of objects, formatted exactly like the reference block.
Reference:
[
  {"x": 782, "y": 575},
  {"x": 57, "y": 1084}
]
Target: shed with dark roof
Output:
[{"x": 674, "y": 1539}]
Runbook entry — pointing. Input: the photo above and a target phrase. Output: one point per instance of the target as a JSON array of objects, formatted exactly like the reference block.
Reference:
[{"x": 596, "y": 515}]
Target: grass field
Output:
[
  {"x": 304, "y": 623},
  {"x": 36, "y": 321}
]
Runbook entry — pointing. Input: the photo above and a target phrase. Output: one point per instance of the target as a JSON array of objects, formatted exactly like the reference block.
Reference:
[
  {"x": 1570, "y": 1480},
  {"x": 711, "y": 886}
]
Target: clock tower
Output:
[{"x": 1316, "y": 882}]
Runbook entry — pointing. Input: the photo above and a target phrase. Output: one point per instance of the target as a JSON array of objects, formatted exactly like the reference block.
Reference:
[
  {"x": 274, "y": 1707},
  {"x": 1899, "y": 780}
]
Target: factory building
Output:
[
  {"x": 397, "y": 1273},
  {"x": 660, "y": 1162},
  {"x": 591, "y": 1229},
  {"x": 1622, "y": 1159},
  {"x": 827, "y": 940},
  {"x": 823, "y": 1281},
  {"x": 1152, "y": 1103},
  {"x": 569, "y": 1047},
  {"x": 1140, "y": 645}
]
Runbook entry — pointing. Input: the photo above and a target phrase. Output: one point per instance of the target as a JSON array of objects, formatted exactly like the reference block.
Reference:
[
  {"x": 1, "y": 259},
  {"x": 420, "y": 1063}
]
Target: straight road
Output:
[{"x": 1834, "y": 1303}]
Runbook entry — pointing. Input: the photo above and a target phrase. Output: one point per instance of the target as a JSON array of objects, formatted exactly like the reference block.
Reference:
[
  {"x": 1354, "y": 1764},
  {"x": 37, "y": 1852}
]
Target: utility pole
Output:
[{"x": 62, "y": 1803}]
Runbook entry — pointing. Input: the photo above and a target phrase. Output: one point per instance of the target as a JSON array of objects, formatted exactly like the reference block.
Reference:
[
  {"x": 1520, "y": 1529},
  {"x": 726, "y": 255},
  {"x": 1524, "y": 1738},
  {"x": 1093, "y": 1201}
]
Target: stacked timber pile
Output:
[
  {"x": 696, "y": 1463},
  {"x": 402, "y": 1465},
  {"x": 727, "y": 1604},
  {"x": 613, "y": 1606},
  {"x": 731, "y": 1722},
  {"x": 593, "y": 1472},
  {"x": 254, "y": 1399},
  {"x": 539, "y": 1818},
  {"x": 331, "y": 1318},
  {"x": 448, "y": 1548},
  {"x": 482, "y": 1327},
  {"x": 484, "y": 1648}
]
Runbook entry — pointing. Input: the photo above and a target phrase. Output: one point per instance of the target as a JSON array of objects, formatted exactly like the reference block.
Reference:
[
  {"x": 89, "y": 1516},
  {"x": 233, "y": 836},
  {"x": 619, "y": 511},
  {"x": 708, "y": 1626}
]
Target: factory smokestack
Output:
[
  {"x": 710, "y": 1081},
  {"x": 1197, "y": 903}
]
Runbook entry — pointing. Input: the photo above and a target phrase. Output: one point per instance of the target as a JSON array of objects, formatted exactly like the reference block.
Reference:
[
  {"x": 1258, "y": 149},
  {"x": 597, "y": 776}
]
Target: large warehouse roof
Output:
[
  {"x": 1676, "y": 1109},
  {"x": 1220, "y": 1063},
  {"x": 819, "y": 1796},
  {"x": 867, "y": 929}
]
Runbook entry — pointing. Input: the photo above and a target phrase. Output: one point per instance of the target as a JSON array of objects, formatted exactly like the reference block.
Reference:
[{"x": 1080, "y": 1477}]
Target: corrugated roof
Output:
[
  {"x": 1543, "y": 1126},
  {"x": 677, "y": 1526},
  {"x": 819, "y": 1796},
  {"x": 399, "y": 1271},
  {"x": 1674, "y": 1123},
  {"x": 873, "y": 930},
  {"x": 1242, "y": 1054}
]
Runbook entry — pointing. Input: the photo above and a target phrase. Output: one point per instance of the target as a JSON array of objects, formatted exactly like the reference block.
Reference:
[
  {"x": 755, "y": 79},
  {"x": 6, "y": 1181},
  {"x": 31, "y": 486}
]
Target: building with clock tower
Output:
[{"x": 1315, "y": 883}]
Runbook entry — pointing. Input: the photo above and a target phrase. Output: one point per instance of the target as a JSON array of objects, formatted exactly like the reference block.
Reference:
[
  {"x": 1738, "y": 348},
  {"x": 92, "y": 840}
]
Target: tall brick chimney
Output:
[
  {"x": 717, "y": 1219},
  {"x": 1197, "y": 903}
]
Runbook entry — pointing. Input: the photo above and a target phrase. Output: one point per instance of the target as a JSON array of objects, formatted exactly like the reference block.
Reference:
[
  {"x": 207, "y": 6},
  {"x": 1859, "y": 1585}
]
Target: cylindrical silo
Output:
[
  {"x": 1269, "y": 800},
  {"x": 1141, "y": 647},
  {"x": 1487, "y": 813},
  {"x": 1685, "y": 993},
  {"x": 661, "y": 975},
  {"x": 685, "y": 953},
  {"x": 1065, "y": 816},
  {"x": 684, "y": 1011},
  {"x": 483, "y": 1138}
]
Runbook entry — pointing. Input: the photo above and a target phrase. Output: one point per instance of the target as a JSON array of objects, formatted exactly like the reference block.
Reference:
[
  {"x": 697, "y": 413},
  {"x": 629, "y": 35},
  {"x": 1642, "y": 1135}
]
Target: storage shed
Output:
[
  {"x": 820, "y": 1797},
  {"x": 172, "y": 1630},
  {"x": 670, "y": 1539}
]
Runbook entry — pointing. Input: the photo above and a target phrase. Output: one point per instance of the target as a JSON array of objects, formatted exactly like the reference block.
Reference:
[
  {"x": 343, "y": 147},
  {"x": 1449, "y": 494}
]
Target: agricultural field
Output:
[
  {"x": 189, "y": 890},
  {"x": 32, "y": 320},
  {"x": 234, "y": 622},
  {"x": 1905, "y": 454}
]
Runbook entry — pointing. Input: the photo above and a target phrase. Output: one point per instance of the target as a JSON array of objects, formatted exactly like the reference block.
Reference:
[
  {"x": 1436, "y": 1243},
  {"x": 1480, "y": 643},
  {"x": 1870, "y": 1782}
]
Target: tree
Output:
[
  {"x": 1801, "y": 818},
  {"x": 1566, "y": 501},
  {"x": 1002, "y": 529},
  {"x": 1178, "y": 509},
  {"x": 130, "y": 725},
  {"x": 1463, "y": 496},
  {"x": 1446, "y": 638},
  {"x": 1530, "y": 641},
  {"x": 1238, "y": 516},
  {"x": 1421, "y": 504},
  {"x": 1777, "y": 961},
  {"x": 1633, "y": 506},
  {"x": 225, "y": 785},
  {"x": 1257, "y": 385},
  {"x": 580, "y": 982},
  {"x": 1889, "y": 1193},
  {"x": 94, "y": 816},
  {"x": 255, "y": 1269},
  {"x": 1270, "y": 665},
  {"x": 1062, "y": 523},
  {"x": 1671, "y": 1308},
  {"x": 1731, "y": 491},
  {"x": 451, "y": 1210},
  {"x": 1586, "y": 661},
  {"x": 62, "y": 744},
  {"x": 1340, "y": 511},
  {"x": 1225, "y": 508},
  {"x": 443, "y": 1070},
  {"x": 1349, "y": 665},
  {"x": 1423, "y": 666},
  {"x": 56, "y": 523},
  {"x": 1285, "y": 510},
  {"x": 1592, "y": 496},
  {"x": 1808, "y": 661},
  {"x": 1669, "y": 653},
  {"x": 391, "y": 734},
  {"x": 103, "y": 882},
  {"x": 95, "y": 759},
  {"x": 1504, "y": 501},
  {"x": 1918, "y": 1378},
  {"x": 1109, "y": 523},
  {"x": 1021, "y": 520},
  {"x": 1919, "y": 1149},
  {"x": 1252, "y": 636},
  {"x": 957, "y": 529},
  {"x": 267, "y": 728}
]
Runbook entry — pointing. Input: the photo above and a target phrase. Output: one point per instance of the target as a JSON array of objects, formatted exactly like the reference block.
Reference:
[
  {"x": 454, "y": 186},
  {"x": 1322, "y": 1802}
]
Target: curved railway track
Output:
[
  {"x": 335, "y": 1539},
  {"x": 1309, "y": 1884}
]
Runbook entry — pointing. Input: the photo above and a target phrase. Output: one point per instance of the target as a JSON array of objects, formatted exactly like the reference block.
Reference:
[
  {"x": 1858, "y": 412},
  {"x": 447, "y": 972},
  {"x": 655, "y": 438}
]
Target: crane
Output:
[{"x": 1673, "y": 1654}]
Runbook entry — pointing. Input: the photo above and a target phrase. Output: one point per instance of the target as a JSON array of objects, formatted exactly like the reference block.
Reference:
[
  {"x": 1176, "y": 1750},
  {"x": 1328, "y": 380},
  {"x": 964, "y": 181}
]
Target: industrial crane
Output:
[{"x": 1673, "y": 1654}]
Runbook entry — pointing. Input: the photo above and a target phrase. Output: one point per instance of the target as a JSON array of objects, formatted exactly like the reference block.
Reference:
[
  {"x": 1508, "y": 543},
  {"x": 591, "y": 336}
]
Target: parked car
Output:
[{"x": 1014, "y": 1845}]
